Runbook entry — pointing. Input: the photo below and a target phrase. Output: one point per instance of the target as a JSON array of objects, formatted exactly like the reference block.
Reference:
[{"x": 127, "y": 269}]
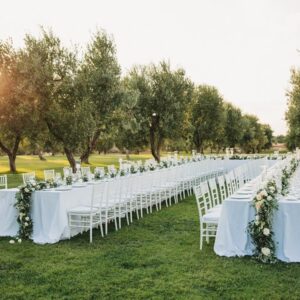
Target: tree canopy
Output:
[{"x": 54, "y": 98}]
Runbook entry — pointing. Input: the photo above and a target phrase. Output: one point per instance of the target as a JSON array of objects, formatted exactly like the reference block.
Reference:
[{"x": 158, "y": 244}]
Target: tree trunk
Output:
[
  {"x": 41, "y": 157},
  {"x": 71, "y": 159},
  {"x": 153, "y": 145},
  {"x": 90, "y": 147},
  {"x": 127, "y": 155},
  {"x": 12, "y": 154},
  {"x": 12, "y": 163}
]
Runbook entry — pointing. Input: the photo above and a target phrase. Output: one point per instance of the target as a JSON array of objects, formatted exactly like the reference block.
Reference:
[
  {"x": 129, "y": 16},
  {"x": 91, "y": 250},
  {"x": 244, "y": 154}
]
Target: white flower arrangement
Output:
[
  {"x": 266, "y": 251},
  {"x": 266, "y": 231},
  {"x": 260, "y": 228}
]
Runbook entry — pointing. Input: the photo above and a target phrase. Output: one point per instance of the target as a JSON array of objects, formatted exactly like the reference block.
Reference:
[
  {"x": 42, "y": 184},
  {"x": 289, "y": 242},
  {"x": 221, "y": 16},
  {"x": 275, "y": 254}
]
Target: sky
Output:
[{"x": 245, "y": 48}]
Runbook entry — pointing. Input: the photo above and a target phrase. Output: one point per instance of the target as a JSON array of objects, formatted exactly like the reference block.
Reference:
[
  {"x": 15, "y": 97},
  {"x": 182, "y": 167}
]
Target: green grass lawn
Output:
[
  {"x": 157, "y": 257},
  {"x": 27, "y": 163}
]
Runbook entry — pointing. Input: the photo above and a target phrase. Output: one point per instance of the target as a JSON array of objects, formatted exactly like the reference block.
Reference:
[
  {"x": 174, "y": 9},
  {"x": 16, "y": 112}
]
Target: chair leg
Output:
[
  {"x": 127, "y": 219},
  {"x": 106, "y": 227},
  {"x": 101, "y": 229},
  {"x": 91, "y": 233},
  {"x": 201, "y": 241}
]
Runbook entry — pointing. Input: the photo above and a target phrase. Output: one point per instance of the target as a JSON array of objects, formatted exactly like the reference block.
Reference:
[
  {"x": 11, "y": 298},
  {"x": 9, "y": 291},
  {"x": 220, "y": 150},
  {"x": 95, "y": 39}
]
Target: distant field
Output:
[{"x": 28, "y": 163}]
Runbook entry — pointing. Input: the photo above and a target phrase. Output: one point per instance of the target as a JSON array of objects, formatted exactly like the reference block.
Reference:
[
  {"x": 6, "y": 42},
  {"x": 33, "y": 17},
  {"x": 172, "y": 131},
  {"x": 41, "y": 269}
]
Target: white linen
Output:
[
  {"x": 49, "y": 207},
  {"x": 8, "y": 213},
  {"x": 49, "y": 213},
  {"x": 232, "y": 238}
]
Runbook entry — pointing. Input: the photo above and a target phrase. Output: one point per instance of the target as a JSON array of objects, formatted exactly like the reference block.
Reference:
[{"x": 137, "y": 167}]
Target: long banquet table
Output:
[
  {"x": 233, "y": 239},
  {"x": 49, "y": 207},
  {"x": 8, "y": 213}
]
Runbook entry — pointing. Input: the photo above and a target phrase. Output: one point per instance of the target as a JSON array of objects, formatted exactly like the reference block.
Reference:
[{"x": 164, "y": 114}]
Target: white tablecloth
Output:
[
  {"x": 49, "y": 213},
  {"x": 233, "y": 239},
  {"x": 287, "y": 231},
  {"x": 8, "y": 213}
]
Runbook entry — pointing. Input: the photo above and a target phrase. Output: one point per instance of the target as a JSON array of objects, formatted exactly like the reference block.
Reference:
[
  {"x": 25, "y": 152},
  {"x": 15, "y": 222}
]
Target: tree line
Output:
[
  {"x": 54, "y": 99},
  {"x": 293, "y": 111}
]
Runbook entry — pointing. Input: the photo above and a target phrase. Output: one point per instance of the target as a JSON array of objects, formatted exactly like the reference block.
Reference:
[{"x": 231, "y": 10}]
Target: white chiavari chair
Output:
[
  {"x": 67, "y": 171},
  {"x": 208, "y": 220},
  {"x": 86, "y": 217},
  {"x": 85, "y": 171},
  {"x": 28, "y": 176},
  {"x": 49, "y": 175},
  {"x": 3, "y": 181}
]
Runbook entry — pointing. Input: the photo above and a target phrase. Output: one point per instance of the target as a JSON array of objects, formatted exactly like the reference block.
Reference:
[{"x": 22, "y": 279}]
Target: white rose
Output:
[
  {"x": 26, "y": 190},
  {"x": 11, "y": 241},
  {"x": 19, "y": 241},
  {"x": 27, "y": 218},
  {"x": 266, "y": 231},
  {"x": 258, "y": 197},
  {"x": 272, "y": 189},
  {"x": 257, "y": 217},
  {"x": 25, "y": 224},
  {"x": 269, "y": 198},
  {"x": 265, "y": 251}
]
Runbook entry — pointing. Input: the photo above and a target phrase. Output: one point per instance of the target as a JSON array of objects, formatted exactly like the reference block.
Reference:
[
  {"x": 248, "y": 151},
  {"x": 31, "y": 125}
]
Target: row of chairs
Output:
[
  {"x": 121, "y": 197},
  {"x": 211, "y": 194},
  {"x": 49, "y": 175}
]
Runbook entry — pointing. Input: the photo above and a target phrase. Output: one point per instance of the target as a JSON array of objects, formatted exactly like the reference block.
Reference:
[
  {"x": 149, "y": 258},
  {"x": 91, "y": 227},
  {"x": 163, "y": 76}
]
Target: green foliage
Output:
[
  {"x": 293, "y": 112},
  {"x": 156, "y": 257},
  {"x": 253, "y": 138},
  {"x": 163, "y": 95},
  {"x": 233, "y": 125},
  {"x": 261, "y": 228},
  {"x": 207, "y": 116},
  {"x": 18, "y": 105}
]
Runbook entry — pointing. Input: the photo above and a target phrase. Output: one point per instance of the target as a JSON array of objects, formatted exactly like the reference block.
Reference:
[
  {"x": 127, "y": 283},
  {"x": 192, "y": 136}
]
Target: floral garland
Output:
[
  {"x": 265, "y": 203},
  {"x": 287, "y": 174},
  {"x": 23, "y": 205},
  {"x": 260, "y": 229}
]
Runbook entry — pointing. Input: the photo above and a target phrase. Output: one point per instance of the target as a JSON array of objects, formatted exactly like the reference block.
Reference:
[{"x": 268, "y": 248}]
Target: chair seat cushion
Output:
[
  {"x": 212, "y": 217},
  {"x": 216, "y": 208},
  {"x": 83, "y": 210}
]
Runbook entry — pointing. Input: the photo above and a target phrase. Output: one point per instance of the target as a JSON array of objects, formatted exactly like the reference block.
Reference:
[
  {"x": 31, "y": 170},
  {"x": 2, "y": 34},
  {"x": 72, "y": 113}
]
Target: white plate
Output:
[
  {"x": 63, "y": 188},
  {"x": 236, "y": 196},
  {"x": 248, "y": 193},
  {"x": 292, "y": 198},
  {"x": 79, "y": 185}
]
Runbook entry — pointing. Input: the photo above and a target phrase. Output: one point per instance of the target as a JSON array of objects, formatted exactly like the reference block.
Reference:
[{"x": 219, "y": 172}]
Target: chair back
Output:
[
  {"x": 99, "y": 194},
  {"x": 85, "y": 171},
  {"x": 222, "y": 188},
  {"x": 100, "y": 170},
  {"x": 201, "y": 202},
  {"x": 49, "y": 175},
  {"x": 28, "y": 176},
  {"x": 3, "y": 181},
  {"x": 214, "y": 191},
  {"x": 206, "y": 194},
  {"x": 67, "y": 171}
]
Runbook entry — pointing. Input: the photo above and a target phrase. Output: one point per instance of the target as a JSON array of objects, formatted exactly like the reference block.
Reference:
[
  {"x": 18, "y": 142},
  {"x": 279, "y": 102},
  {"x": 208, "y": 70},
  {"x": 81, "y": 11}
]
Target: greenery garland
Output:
[
  {"x": 260, "y": 229},
  {"x": 287, "y": 174},
  {"x": 265, "y": 203},
  {"x": 23, "y": 205}
]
